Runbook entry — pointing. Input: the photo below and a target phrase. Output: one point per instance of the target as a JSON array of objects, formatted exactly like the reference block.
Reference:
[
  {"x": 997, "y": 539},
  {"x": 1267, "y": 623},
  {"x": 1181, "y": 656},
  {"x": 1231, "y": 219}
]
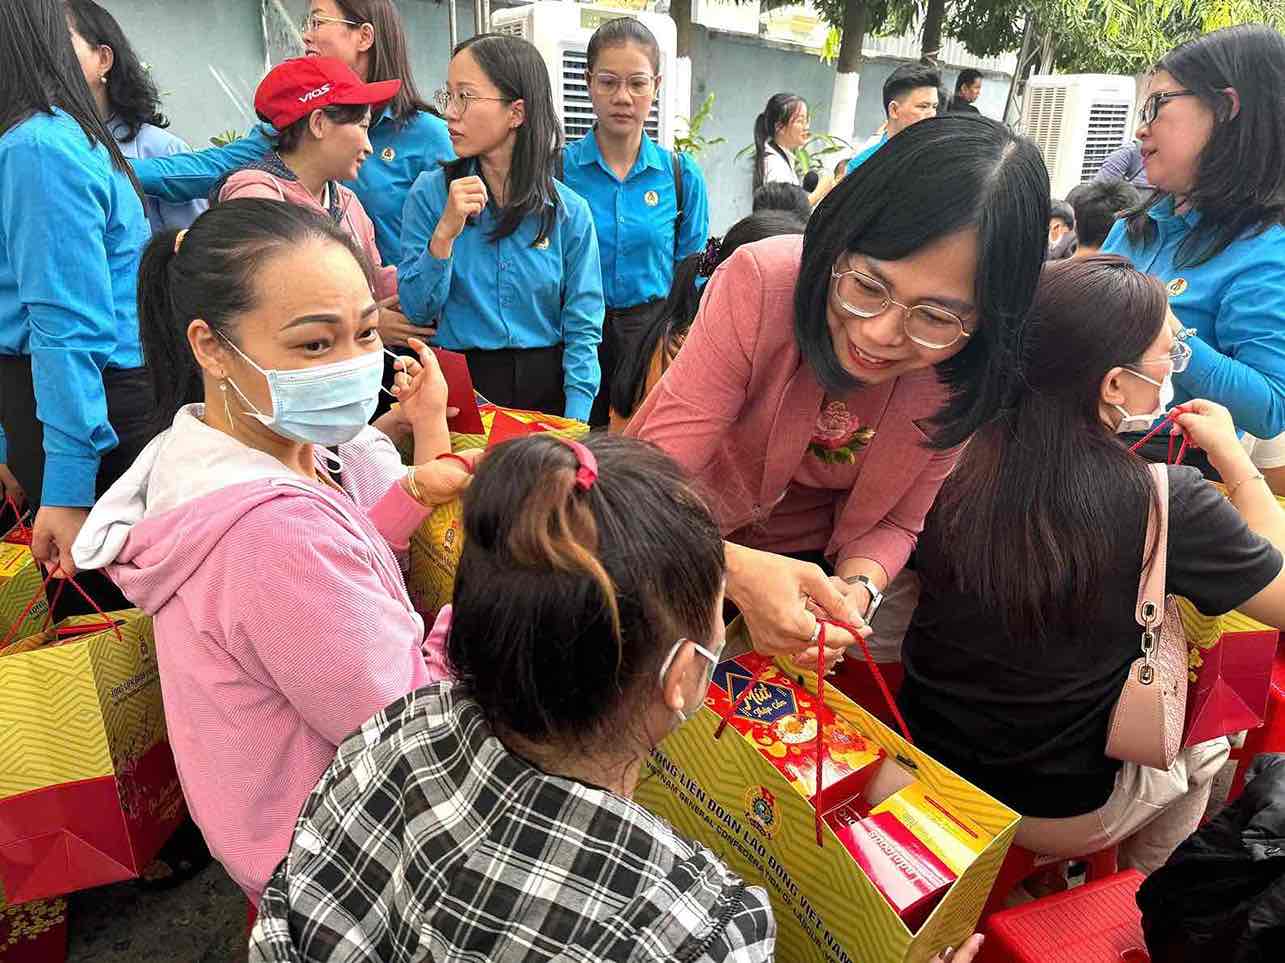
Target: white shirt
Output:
[
  {"x": 777, "y": 168},
  {"x": 1265, "y": 453}
]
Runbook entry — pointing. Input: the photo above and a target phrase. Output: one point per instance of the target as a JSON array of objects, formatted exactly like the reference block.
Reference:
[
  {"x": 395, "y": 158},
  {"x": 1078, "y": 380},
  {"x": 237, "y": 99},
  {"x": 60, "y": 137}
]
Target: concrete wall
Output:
[{"x": 208, "y": 57}]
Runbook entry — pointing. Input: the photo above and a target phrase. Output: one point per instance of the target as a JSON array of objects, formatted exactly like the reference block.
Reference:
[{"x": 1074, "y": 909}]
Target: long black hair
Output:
[
  {"x": 212, "y": 275},
  {"x": 518, "y": 72},
  {"x": 389, "y": 58},
  {"x": 670, "y": 326},
  {"x": 1030, "y": 519},
  {"x": 779, "y": 110},
  {"x": 39, "y": 71},
  {"x": 1240, "y": 178},
  {"x": 939, "y": 176},
  {"x": 131, "y": 92},
  {"x": 597, "y": 585}
]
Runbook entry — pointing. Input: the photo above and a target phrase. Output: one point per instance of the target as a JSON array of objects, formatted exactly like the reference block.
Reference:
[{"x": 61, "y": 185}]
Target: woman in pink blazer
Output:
[{"x": 829, "y": 382}]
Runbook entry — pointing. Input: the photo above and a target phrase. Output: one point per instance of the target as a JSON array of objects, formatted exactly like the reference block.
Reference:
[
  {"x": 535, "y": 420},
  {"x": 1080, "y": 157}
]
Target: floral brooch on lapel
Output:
[{"x": 838, "y": 435}]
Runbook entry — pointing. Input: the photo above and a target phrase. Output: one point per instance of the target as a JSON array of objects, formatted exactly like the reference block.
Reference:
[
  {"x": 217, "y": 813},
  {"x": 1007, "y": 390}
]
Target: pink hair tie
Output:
[{"x": 587, "y": 473}]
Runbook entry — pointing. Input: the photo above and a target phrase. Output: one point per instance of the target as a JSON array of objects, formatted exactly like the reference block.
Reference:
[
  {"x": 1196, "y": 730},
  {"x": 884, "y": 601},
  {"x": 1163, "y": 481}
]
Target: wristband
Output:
[{"x": 451, "y": 456}]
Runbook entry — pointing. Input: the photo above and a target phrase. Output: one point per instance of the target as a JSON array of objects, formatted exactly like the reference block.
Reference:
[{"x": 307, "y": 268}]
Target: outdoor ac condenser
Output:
[
  {"x": 1077, "y": 120},
  {"x": 561, "y": 32}
]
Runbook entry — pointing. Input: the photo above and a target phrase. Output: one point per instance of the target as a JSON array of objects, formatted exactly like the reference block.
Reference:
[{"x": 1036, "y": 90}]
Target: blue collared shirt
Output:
[
  {"x": 152, "y": 141},
  {"x": 1236, "y": 304},
  {"x": 635, "y": 217},
  {"x": 401, "y": 153},
  {"x": 510, "y": 293},
  {"x": 72, "y": 231},
  {"x": 865, "y": 155}
]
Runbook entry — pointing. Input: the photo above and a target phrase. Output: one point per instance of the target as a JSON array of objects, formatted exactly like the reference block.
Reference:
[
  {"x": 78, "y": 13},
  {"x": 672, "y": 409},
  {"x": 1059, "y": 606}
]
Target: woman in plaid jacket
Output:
[{"x": 491, "y": 818}]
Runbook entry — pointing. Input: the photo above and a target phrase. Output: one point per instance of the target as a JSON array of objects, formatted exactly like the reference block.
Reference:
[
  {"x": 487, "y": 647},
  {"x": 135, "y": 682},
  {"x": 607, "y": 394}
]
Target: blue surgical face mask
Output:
[{"x": 325, "y": 405}]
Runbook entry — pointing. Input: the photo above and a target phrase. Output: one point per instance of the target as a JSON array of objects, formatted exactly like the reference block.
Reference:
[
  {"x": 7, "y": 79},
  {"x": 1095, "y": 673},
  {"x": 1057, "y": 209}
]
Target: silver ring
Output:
[{"x": 816, "y": 632}]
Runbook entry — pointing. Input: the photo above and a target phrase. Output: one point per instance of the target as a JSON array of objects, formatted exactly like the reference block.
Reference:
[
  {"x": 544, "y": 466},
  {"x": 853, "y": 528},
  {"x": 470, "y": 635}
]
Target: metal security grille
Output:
[
  {"x": 1044, "y": 117},
  {"x": 577, "y": 108},
  {"x": 1108, "y": 128}
]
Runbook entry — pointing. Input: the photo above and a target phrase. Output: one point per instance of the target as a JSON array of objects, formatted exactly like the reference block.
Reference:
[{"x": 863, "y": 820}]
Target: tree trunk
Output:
[
  {"x": 934, "y": 17},
  {"x": 681, "y": 13},
  {"x": 847, "y": 76}
]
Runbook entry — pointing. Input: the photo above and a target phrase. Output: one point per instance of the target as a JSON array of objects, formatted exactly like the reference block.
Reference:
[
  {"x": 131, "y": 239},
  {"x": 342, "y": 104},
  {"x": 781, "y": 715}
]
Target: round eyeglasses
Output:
[
  {"x": 863, "y": 296},
  {"x": 1179, "y": 357},
  {"x": 638, "y": 85},
  {"x": 446, "y": 100}
]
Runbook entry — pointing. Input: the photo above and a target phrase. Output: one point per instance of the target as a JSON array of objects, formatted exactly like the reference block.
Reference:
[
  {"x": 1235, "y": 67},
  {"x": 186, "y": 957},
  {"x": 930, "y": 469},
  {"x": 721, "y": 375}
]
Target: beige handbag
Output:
[{"x": 1148, "y": 719}]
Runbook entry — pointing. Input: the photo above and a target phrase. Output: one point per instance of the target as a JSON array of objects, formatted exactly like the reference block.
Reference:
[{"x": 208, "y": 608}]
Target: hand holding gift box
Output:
[{"x": 752, "y": 797}]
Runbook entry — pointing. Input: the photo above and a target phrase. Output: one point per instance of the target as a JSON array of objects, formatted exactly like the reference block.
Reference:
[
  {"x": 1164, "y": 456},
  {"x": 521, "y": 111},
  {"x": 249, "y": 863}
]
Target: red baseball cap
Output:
[{"x": 295, "y": 88}]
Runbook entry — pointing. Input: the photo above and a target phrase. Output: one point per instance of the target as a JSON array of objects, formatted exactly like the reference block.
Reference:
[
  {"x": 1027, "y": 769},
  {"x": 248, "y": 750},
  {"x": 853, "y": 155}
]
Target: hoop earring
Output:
[{"x": 227, "y": 412}]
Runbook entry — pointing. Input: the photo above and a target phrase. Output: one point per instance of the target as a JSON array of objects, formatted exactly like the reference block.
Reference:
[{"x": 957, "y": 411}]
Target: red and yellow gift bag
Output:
[
  {"x": 436, "y": 545},
  {"x": 872, "y": 868},
  {"x": 88, "y": 789},
  {"x": 23, "y": 604}
]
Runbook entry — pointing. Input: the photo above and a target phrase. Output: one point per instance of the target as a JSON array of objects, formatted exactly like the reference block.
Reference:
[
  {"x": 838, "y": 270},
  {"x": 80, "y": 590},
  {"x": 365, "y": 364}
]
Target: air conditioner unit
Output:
[
  {"x": 1077, "y": 120},
  {"x": 561, "y": 32}
]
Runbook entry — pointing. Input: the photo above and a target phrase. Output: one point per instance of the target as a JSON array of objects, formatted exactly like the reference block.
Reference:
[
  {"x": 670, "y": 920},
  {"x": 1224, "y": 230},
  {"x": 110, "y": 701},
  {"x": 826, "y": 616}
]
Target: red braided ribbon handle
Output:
[
  {"x": 1169, "y": 422},
  {"x": 820, "y": 738},
  {"x": 21, "y": 534},
  {"x": 66, "y": 631}
]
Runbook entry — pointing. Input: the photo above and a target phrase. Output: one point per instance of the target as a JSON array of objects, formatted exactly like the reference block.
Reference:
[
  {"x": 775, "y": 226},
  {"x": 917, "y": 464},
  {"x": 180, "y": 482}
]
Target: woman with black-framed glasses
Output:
[
  {"x": 496, "y": 251},
  {"x": 1212, "y": 138},
  {"x": 825, "y": 389}
]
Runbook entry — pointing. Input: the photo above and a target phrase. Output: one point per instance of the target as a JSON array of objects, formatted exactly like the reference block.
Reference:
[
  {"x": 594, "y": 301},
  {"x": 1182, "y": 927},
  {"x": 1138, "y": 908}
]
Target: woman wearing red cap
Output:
[
  {"x": 321, "y": 112},
  {"x": 408, "y": 138}
]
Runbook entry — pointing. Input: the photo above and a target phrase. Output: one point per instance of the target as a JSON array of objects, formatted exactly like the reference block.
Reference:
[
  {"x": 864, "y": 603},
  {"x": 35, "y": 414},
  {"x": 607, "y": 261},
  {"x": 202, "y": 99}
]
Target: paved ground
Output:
[{"x": 202, "y": 921}]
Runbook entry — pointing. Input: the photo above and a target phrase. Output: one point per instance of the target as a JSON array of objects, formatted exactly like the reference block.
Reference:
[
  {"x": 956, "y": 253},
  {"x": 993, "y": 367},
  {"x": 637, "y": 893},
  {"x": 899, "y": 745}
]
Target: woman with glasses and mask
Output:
[
  {"x": 406, "y": 137},
  {"x": 497, "y": 251},
  {"x": 1030, "y": 565},
  {"x": 649, "y": 205},
  {"x": 826, "y": 387},
  {"x": 1212, "y": 137}
]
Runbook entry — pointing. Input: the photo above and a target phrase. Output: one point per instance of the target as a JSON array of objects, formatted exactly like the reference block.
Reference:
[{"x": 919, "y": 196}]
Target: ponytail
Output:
[
  {"x": 210, "y": 272},
  {"x": 569, "y": 594},
  {"x": 174, "y": 373},
  {"x": 779, "y": 110}
]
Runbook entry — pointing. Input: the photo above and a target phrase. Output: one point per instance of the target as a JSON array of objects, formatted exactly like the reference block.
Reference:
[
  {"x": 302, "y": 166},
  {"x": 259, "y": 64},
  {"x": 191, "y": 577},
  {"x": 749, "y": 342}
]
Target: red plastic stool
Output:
[
  {"x": 1096, "y": 923},
  {"x": 1270, "y": 736},
  {"x": 1021, "y": 863}
]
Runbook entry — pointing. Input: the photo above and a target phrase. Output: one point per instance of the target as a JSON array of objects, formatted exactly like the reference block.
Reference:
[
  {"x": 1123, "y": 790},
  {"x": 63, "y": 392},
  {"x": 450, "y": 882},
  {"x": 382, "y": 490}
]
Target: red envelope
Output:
[
  {"x": 459, "y": 392},
  {"x": 1231, "y": 687}
]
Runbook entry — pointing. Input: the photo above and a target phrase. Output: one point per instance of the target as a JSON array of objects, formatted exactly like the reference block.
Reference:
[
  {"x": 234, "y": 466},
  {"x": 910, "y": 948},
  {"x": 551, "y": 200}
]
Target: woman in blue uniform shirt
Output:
[
  {"x": 127, "y": 100},
  {"x": 74, "y": 402},
  {"x": 644, "y": 224},
  {"x": 406, "y": 137},
  {"x": 500, "y": 253},
  {"x": 1213, "y": 144}
]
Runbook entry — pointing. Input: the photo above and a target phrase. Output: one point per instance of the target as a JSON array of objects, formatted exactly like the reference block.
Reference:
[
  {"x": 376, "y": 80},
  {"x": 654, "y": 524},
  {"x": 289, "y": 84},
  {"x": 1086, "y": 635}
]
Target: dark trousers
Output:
[
  {"x": 526, "y": 378},
  {"x": 621, "y": 330},
  {"x": 130, "y": 411}
]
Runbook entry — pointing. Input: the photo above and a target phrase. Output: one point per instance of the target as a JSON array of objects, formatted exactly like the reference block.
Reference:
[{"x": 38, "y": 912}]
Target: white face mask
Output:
[{"x": 1131, "y": 423}]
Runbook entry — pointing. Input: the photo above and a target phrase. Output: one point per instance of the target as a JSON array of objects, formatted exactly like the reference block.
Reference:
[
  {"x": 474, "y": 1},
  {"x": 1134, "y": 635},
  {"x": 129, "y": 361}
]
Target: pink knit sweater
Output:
[{"x": 282, "y": 619}]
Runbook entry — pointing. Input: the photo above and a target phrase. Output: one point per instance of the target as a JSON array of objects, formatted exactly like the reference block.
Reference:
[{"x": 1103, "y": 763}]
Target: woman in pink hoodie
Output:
[
  {"x": 321, "y": 111},
  {"x": 261, "y": 528}
]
